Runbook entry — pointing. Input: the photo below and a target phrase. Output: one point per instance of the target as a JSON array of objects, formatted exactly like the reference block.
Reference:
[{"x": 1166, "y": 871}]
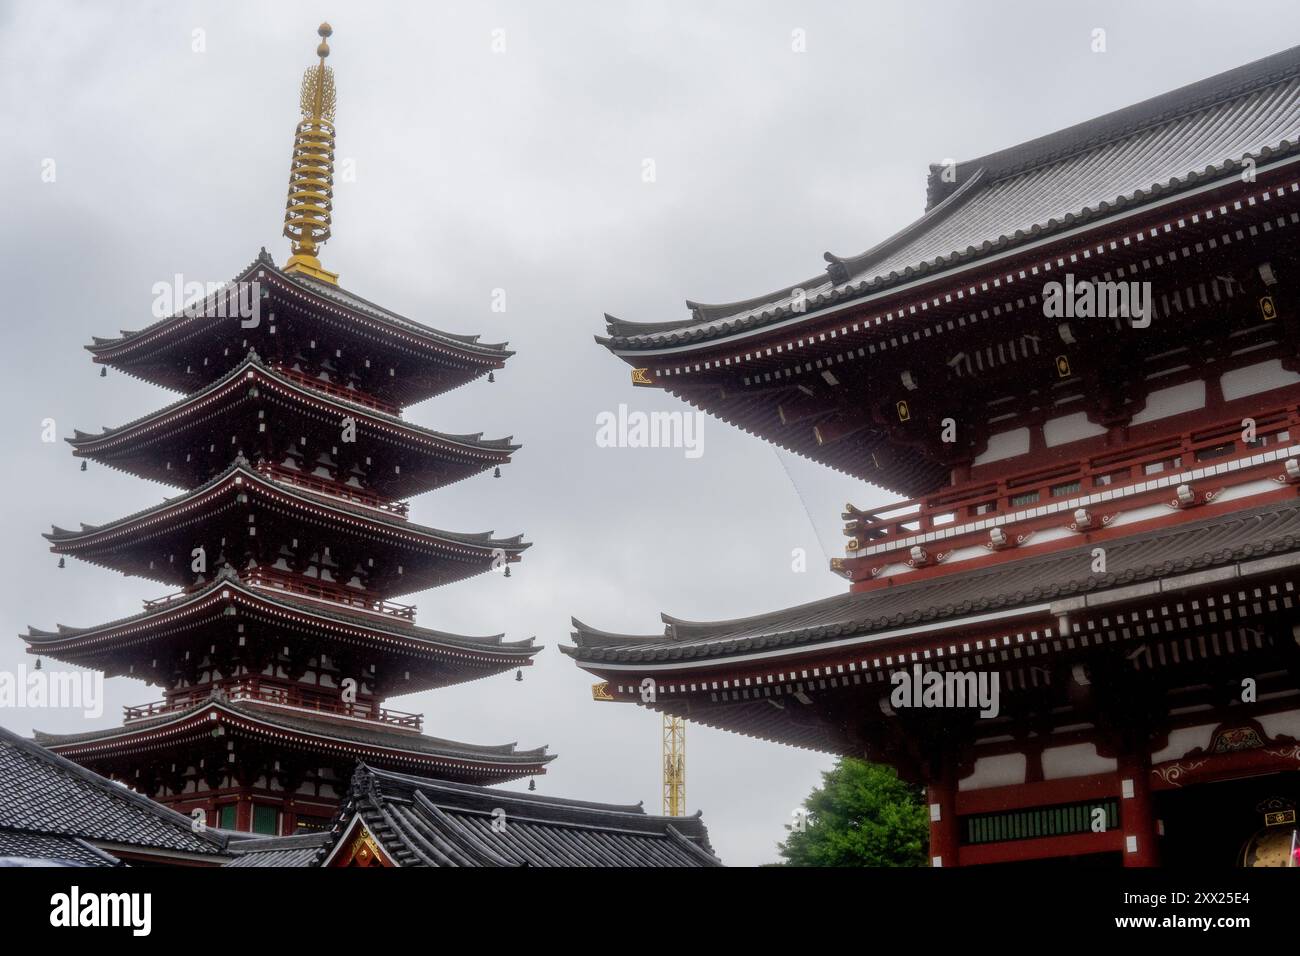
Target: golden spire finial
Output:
[{"x": 311, "y": 173}]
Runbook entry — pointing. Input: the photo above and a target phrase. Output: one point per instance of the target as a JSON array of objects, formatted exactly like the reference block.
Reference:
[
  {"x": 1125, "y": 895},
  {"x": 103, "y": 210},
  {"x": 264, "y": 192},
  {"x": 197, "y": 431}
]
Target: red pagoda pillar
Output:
[{"x": 941, "y": 795}]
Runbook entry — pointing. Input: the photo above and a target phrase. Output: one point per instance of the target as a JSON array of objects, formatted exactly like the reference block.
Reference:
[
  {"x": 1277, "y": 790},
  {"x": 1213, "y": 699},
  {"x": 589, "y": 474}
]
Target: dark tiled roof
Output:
[
  {"x": 1118, "y": 161},
  {"x": 58, "y": 849},
  {"x": 43, "y": 794},
  {"x": 422, "y": 822},
  {"x": 299, "y": 850},
  {"x": 1213, "y": 542}
]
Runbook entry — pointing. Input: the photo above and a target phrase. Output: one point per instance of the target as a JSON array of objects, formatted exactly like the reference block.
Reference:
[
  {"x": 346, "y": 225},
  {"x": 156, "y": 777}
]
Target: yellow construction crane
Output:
[
  {"x": 674, "y": 766},
  {"x": 674, "y": 756}
]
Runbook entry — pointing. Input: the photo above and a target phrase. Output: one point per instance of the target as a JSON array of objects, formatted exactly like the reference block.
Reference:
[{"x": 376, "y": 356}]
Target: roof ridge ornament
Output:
[{"x": 311, "y": 172}]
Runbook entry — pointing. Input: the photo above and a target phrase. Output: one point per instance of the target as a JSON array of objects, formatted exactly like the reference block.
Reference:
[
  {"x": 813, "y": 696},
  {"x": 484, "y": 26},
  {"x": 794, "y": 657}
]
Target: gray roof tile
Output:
[{"x": 44, "y": 794}]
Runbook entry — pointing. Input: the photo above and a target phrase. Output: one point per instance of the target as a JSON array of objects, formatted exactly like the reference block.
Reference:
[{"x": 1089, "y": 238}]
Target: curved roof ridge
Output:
[
  {"x": 720, "y": 310},
  {"x": 844, "y": 268},
  {"x": 617, "y": 326},
  {"x": 680, "y": 629},
  {"x": 584, "y": 634}
]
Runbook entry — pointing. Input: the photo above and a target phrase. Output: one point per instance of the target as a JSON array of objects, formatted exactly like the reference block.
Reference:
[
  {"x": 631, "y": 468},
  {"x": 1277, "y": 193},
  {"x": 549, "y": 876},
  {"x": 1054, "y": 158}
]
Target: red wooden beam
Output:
[{"x": 1015, "y": 851}]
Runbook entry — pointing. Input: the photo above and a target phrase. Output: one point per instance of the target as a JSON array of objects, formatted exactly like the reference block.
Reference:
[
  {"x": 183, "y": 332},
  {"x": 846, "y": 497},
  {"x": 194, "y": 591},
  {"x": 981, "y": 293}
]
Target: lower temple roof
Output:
[
  {"x": 53, "y": 809},
  {"x": 421, "y": 822},
  {"x": 1217, "y": 542}
]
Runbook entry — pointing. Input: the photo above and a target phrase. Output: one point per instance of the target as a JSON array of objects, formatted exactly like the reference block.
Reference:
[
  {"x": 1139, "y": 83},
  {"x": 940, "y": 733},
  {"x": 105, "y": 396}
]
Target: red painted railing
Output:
[
  {"x": 329, "y": 388},
  {"x": 256, "y": 689},
  {"x": 334, "y": 489},
  {"x": 1106, "y": 470}
]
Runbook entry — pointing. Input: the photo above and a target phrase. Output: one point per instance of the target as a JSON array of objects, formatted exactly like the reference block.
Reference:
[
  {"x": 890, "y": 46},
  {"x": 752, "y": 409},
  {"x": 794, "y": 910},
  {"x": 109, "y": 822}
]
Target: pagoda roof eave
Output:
[
  {"x": 502, "y": 761},
  {"x": 62, "y": 538},
  {"x": 1029, "y": 585},
  {"x": 65, "y": 638},
  {"x": 499, "y": 449},
  {"x": 494, "y": 354}
]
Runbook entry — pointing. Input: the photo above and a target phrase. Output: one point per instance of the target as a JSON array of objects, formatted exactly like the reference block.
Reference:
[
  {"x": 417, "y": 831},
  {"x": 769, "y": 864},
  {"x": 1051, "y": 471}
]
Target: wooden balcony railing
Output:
[
  {"x": 1112, "y": 470},
  {"x": 300, "y": 698},
  {"x": 329, "y": 388},
  {"x": 302, "y": 586},
  {"x": 334, "y": 489},
  {"x": 297, "y": 584},
  {"x": 172, "y": 598}
]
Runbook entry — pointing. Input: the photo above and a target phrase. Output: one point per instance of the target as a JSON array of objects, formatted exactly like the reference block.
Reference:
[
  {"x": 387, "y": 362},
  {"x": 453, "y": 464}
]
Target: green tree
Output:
[{"x": 861, "y": 815}]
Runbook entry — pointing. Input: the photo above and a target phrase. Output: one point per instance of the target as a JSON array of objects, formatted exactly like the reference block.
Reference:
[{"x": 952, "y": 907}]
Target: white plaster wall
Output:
[
  {"x": 1174, "y": 400},
  {"x": 1287, "y": 723},
  {"x": 1068, "y": 428},
  {"x": 1076, "y": 760},
  {"x": 1000, "y": 771},
  {"x": 1005, "y": 445},
  {"x": 1181, "y": 741},
  {"x": 1253, "y": 379}
]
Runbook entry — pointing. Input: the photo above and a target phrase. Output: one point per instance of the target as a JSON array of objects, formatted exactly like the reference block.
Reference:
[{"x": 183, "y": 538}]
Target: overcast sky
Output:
[{"x": 522, "y": 170}]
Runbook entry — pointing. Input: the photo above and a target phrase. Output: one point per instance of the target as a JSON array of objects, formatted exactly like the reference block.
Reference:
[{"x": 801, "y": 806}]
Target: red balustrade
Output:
[{"x": 977, "y": 500}]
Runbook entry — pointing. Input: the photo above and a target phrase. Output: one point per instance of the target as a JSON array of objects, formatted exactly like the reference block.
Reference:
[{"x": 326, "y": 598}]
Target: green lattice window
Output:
[{"x": 1037, "y": 822}]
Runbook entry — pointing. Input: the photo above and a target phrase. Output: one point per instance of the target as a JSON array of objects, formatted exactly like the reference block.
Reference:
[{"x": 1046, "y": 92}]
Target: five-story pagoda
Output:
[{"x": 289, "y": 538}]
